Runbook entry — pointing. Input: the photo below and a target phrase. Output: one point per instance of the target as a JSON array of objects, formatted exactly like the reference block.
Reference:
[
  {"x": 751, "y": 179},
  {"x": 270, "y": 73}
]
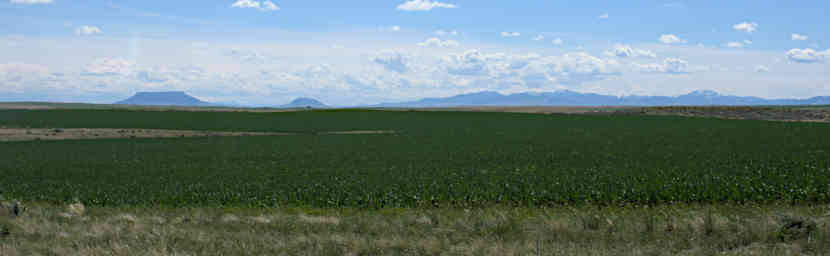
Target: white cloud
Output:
[
  {"x": 603, "y": 16},
  {"x": 747, "y": 27},
  {"x": 153, "y": 76},
  {"x": 735, "y": 45},
  {"x": 18, "y": 77},
  {"x": 532, "y": 70},
  {"x": 761, "y": 69},
  {"x": 436, "y": 42},
  {"x": 567, "y": 69},
  {"x": 423, "y": 5},
  {"x": 669, "y": 66},
  {"x": 557, "y": 41},
  {"x": 262, "y": 73},
  {"x": 391, "y": 60},
  {"x": 747, "y": 42},
  {"x": 21, "y": 68},
  {"x": 266, "y": 5},
  {"x": 270, "y": 6},
  {"x": 30, "y": 1},
  {"x": 470, "y": 63},
  {"x": 671, "y": 39},
  {"x": 395, "y": 28},
  {"x": 808, "y": 55},
  {"x": 249, "y": 56},
  {"x": 797, "y": 37},
  {"x": 445, "y": 33},
  {"x": 87, "y": 30},
  {"x": 539, "y": 38},
  {"x": 510, "y": 34},
  {"x": 108, "y": 67},
  {"x": 624, "y": 51},
  {"x": 246, "y": 4}
]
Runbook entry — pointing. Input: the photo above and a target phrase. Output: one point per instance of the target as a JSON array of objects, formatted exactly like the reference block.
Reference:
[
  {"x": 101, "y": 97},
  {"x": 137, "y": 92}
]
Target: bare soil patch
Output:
[
  {"x": 23, "y": 134},
  {"x": 361, "y": 132},
  {"x": 24, "y": 106}
]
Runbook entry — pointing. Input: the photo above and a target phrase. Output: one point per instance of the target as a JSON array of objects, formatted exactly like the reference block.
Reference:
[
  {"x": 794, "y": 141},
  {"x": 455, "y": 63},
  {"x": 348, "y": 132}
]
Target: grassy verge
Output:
[{"x": 666, "y": 230}]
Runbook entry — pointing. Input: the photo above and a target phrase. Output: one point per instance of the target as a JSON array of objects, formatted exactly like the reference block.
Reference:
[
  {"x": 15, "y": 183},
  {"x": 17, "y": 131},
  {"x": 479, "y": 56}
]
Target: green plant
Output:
[
  {"x": 795, "y": 228},
  {"x": 591, "y": 222},
  {"x": 7, "y": 228}
]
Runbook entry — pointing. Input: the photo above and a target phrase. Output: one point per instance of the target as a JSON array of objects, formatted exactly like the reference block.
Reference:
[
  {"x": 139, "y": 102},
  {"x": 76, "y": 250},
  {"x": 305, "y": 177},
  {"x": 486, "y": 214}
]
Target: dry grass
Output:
[{"x": 678, "y": 230}]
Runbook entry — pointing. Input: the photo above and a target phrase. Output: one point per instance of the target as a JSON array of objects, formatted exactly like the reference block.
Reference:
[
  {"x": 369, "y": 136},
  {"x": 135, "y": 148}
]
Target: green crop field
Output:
[{"x": 435, "y": 159}]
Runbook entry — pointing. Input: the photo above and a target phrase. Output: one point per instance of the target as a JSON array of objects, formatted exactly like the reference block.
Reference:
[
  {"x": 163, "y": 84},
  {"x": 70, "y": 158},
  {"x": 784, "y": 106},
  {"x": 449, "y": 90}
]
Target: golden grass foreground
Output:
[{"x": 671, "y": 230}]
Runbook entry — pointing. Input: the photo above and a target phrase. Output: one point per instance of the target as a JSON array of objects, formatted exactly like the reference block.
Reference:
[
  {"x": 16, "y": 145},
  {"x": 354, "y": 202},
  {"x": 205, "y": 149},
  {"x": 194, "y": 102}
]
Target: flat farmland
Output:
[{"x": 432, "y": 159}]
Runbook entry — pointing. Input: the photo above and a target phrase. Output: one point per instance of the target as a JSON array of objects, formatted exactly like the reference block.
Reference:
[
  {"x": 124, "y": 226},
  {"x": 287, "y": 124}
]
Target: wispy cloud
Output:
[
  {"x": 266, "y": 5},
  {"x": 436, "y": 42},
  {"x": 446, "y": 33},
  {"x": 87, "y": 30},
  {"x": 669, "y": 66},
  {"x": 797, "y": 37},
  {"x": 30, "y": 1},
  {"x": 747, "y": 27},
  {"x": 395, "y": 28},
  {"x": 423, "y": 5},
  {"x": 808, "y": 55},
  {"x": 671, "y": 39},
  {"x": 735, "y": 45},
  {"x": 510, "y": 34},
  {"x": 625, "y": 51},
  {"x": 391, "y": 60}
]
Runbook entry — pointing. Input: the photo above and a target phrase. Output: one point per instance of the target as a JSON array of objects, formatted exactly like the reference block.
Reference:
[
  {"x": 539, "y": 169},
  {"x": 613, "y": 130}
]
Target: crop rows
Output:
[{"x": 437, "y": 159}]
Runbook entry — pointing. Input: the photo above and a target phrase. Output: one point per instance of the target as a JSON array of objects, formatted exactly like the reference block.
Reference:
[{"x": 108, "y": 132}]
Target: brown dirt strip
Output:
[
  {"x": 24, "y": 106},
  {"x": 26, "y": 134},
  {"x": 361, "y": 132}
]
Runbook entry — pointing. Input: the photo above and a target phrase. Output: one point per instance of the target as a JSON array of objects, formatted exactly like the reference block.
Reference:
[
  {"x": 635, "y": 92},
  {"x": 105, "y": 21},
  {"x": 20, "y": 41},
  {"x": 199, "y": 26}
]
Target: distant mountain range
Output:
[
  {"x": 164, "y": 99},
  {"x": 177, "y": 98},
  {"x": 304, "y": 103},
  {"x": 489, "y": 98},
  {"x": 571, "y": 98}
]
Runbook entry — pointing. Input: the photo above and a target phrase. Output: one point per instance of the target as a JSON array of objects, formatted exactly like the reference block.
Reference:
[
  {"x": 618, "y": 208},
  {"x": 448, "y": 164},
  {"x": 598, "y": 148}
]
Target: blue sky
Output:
[{"x": 357, "y": 52}]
